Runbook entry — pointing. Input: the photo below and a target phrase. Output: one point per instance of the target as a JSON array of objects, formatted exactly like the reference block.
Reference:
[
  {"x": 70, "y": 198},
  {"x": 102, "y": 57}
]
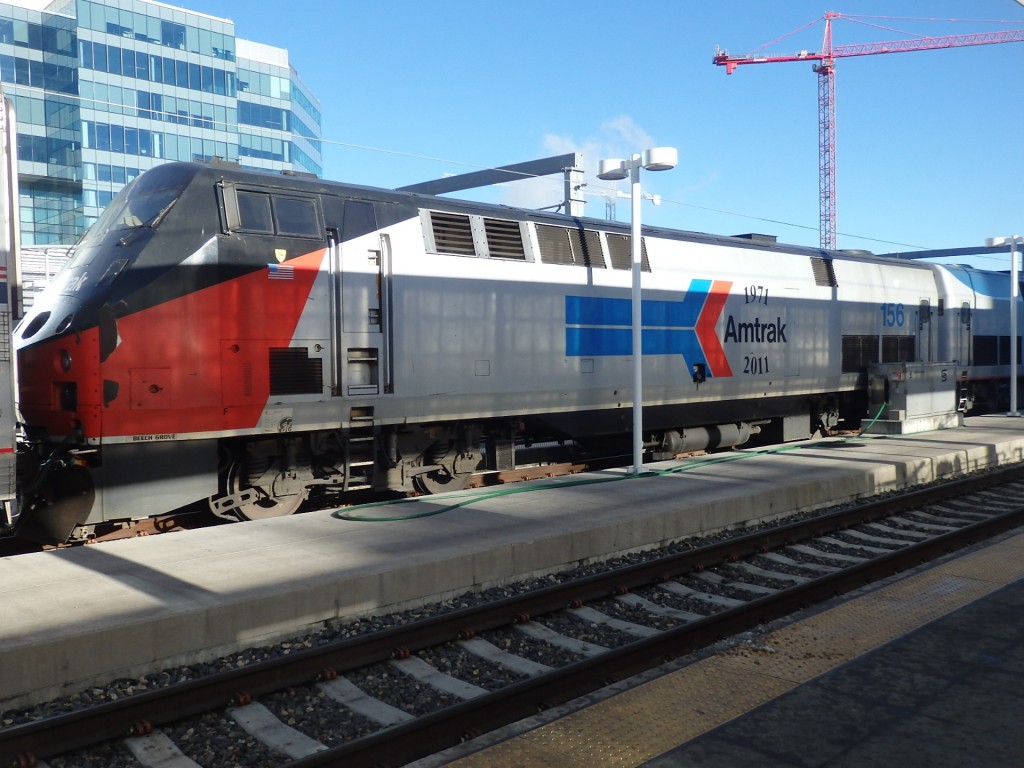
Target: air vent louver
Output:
[
  {"x": 824, "y": 274},
  {"x": 294, "y": 372},
  {"x": 898, "y": 349},
  {"x": 452, "y": 233},
  {"x": 504, "y": 239},
  {"x": 622, "y": 257},
  {"x": 858, "y": 353}
]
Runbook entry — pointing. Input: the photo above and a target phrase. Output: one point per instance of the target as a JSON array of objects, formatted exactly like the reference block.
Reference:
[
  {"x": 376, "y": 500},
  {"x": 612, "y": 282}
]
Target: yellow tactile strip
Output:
[{"x": 651, "y": 719}]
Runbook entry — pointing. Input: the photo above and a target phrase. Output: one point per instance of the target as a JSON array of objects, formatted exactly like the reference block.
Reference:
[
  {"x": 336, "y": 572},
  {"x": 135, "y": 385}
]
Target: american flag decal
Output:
[{"x": 281, "y": 272}]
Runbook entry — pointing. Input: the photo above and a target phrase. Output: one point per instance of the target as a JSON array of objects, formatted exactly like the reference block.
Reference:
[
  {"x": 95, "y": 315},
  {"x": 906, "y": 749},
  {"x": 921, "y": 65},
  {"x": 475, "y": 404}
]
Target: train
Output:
[{"x": 244, "y": 341}]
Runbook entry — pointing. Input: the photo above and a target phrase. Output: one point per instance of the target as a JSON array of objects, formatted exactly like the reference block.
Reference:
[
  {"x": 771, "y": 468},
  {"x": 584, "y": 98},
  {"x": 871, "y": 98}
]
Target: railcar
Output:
[{"x": 243, "y": 340}]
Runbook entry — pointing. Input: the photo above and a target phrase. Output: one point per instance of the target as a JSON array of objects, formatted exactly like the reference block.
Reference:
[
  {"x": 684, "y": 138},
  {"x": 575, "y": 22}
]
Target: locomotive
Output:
[{"x": 243, "y": 340}]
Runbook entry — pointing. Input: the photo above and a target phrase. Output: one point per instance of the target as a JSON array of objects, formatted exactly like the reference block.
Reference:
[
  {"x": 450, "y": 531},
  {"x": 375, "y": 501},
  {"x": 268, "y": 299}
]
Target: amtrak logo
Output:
[{"x": 599, "y": 327}]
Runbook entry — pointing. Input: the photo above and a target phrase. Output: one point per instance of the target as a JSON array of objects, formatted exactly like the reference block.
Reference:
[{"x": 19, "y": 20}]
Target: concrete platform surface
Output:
[
  {"x": 922, "y": 671},
  {"x": 79, "y": 616}
]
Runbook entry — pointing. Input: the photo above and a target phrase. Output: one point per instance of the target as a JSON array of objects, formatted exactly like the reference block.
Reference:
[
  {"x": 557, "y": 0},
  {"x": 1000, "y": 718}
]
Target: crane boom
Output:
[
  {"x": 730, "y": 63},
  {"x": 825, "y": 69}
]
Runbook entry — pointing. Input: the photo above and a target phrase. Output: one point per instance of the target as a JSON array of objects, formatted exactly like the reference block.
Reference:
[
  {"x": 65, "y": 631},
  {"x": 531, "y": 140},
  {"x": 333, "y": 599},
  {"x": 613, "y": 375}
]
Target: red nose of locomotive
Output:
[{"x": 58, "y": 366}]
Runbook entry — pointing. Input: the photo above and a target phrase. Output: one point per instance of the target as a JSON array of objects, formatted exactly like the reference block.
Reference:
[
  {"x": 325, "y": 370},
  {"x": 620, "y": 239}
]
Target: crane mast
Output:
[
  {"x": 824, "y": 67},
  {"x": 826, "y": 71}
]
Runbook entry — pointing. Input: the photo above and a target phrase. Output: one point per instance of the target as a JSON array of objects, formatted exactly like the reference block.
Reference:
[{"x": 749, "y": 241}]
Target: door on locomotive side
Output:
[
  {"x": 924, "y": 331},
  {"x": 361, "y": 275}
]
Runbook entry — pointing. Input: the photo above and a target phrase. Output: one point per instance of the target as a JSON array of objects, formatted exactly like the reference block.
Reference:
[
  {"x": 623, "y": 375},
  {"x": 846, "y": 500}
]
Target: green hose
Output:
[{"x": 871, "y": 423}]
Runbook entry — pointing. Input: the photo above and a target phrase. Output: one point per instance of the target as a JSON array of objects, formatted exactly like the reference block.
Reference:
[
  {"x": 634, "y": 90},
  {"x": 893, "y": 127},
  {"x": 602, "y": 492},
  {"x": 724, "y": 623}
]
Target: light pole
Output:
[
  {"x": 656, "y": 159},
  {"x": 1014, "y": 295}
]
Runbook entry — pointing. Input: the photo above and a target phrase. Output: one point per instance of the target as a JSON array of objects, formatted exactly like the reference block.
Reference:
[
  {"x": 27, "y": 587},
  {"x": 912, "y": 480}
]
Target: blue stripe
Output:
[
  {"x": 677, "y": 314},
  {"x": 588, "y": 310},
  {"x": 598, "y": 342},
  {"x": 668, "y": 327},
  {"x": 612, "y": 342},
  {"x": 658, "y": 341}
]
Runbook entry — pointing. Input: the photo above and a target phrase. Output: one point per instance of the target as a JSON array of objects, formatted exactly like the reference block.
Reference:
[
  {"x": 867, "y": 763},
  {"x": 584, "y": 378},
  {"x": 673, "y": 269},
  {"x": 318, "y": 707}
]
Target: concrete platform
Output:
[
  {"x": 79, "y": 616},
  {"x": 922, "y": 671}
]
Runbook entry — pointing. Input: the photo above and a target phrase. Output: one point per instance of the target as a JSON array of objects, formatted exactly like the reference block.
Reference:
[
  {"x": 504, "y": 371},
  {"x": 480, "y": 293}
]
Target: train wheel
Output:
[
  {"x": 252, "y": 498},
  {"x": 440, "y": 481}
]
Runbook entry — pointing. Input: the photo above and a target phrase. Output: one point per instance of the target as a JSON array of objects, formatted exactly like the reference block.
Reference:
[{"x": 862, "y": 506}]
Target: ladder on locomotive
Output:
[{"x": 360, "y": 451}]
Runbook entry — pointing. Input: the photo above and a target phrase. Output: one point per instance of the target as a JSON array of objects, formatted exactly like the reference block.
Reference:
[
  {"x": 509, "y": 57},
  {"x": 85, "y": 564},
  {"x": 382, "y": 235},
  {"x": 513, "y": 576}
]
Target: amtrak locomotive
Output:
[{"x": 243, "y": 340}]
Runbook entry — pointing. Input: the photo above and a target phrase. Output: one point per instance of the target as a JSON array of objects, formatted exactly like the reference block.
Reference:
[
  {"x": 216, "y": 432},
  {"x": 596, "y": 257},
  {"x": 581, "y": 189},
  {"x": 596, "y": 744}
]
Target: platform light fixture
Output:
[
  {"x": 1012, "y": 241},
  {"x": 617, "y": 169}
]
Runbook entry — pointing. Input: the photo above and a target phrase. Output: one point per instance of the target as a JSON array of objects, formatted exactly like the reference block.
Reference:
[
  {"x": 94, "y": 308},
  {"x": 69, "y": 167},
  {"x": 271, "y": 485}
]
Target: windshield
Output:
[{"x": 139, "y": 204}]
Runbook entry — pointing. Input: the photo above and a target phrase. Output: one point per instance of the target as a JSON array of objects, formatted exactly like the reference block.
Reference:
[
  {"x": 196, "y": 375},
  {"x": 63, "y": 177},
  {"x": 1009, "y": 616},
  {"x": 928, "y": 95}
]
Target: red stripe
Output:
[{"x": 706, "y": 323}]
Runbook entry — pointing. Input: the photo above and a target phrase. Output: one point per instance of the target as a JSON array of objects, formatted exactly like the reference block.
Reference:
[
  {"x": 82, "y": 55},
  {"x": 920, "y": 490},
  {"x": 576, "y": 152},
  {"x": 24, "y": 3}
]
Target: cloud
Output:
[
  {"x": 622, "y": 130},
  {"x": 617, "y": 137}
]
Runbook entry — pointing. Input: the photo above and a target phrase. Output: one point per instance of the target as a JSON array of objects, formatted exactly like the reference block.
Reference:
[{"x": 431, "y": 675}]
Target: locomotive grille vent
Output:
[
  {"x": 994, "y": 350},
  {"x": 294, "y": 372},
  {"x": 559, "y": 245},
  {"x": 5, "y": 338},
  {"x": 859, "y": 352},
  {"x": 898, "y": 349},
  {"x": 1004, "y": 349},
  {"x": 555, "y": 246},
  {"x": 452, "y": 233},
  {"x": 622, "y": 258},
  {"x": 824, "y": 274},
  {"x": 591, "y": 243},
  {"x": 986, "y": 350},
  {"x": 504, "y": 239}
]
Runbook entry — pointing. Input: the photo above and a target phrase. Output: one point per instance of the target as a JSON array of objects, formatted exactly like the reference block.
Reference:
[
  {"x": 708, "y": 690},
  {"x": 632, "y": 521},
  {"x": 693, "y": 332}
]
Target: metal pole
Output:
[
  {"x": 637, "y": 318},
  {"x": 1014, "y": 295}
]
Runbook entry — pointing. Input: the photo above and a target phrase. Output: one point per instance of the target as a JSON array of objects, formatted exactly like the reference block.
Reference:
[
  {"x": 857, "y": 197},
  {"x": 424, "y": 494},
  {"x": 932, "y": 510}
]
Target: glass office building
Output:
[{"x": 104, "y": 90}]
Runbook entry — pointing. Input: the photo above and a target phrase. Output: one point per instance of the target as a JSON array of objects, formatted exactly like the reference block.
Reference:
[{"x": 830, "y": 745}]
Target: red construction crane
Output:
[{"x": 825, "y": 69}]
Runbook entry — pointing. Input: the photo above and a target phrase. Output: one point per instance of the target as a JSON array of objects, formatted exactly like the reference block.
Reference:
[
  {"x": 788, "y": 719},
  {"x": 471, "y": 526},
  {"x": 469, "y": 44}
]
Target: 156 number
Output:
[{"x": 893, "y": 315}]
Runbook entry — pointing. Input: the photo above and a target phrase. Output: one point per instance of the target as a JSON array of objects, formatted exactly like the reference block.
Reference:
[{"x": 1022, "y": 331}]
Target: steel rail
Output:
[
  {"x": 446, "y": 728},
  {"x": 142, "y": 711}
]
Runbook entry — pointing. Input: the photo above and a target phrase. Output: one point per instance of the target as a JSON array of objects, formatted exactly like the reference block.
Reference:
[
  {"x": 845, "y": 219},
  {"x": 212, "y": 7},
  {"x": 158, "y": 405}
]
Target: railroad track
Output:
[{"x": 418, "y": 688}]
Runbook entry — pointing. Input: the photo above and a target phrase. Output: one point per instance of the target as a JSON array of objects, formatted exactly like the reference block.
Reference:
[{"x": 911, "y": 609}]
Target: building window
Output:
[
  {"x": 172, "y": 35},
  {"x": 262, "y": 115}
]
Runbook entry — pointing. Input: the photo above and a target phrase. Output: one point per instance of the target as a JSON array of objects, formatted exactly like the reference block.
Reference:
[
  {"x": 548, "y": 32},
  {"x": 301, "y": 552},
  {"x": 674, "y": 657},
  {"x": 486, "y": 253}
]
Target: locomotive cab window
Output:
[
  {"x": 254, "y": 212},
  {"x": 296, "y": 217},
  {"x": 246, "y": 210}
]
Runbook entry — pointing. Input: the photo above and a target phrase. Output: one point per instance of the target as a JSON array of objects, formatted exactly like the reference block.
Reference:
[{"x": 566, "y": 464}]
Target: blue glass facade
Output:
[{"x": 104, "y": 90}]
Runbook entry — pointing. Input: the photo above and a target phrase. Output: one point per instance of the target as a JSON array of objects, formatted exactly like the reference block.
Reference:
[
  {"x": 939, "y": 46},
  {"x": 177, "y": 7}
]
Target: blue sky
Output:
[{"x": 930, "y": 144}]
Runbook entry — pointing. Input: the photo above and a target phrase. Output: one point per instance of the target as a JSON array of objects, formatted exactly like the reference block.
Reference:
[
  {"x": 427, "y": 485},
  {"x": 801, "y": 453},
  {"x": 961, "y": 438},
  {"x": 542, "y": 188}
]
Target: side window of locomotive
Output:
[
  {"x": 296, "y": 217},
  {"x": 254, "y": 212}
]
